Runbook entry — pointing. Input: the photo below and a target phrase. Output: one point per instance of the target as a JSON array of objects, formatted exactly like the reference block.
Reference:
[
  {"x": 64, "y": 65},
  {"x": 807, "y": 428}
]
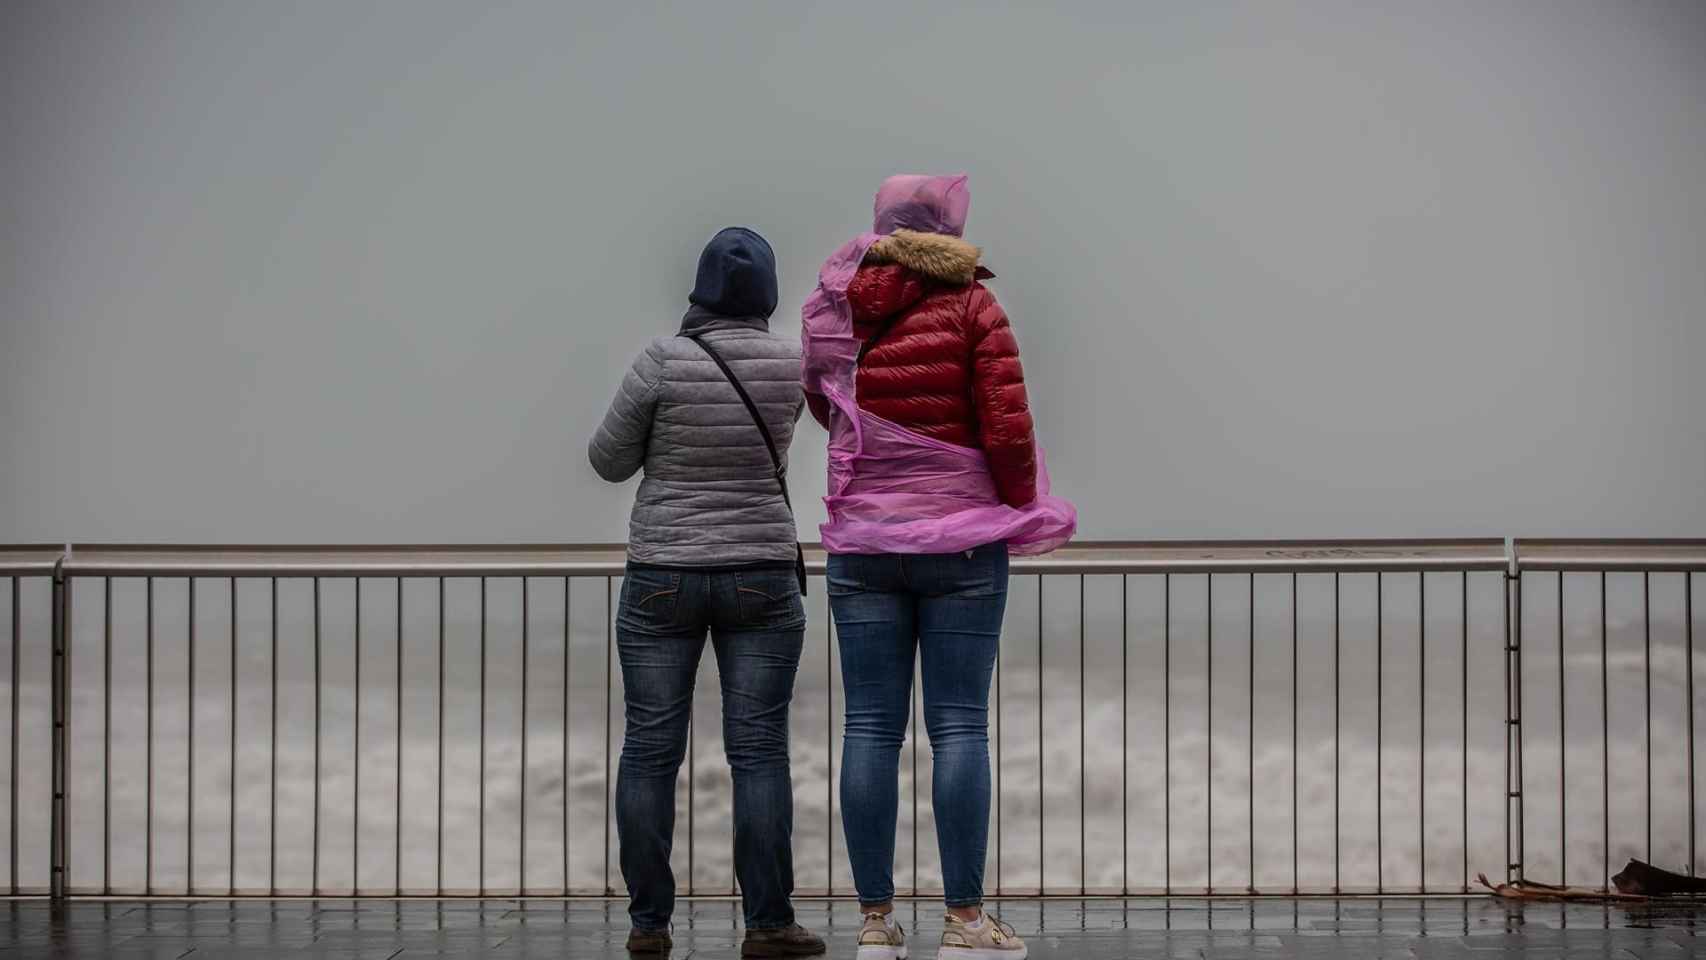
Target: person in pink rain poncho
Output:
[{"x": 935, "y": 477}]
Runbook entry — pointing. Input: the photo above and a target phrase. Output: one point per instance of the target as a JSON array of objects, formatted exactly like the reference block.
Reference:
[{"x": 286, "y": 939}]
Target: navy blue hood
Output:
[{"x": 737, "y": 275}]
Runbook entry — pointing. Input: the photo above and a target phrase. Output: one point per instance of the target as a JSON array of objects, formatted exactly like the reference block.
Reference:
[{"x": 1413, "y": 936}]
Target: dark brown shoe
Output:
[
  {"x": 792, "y": 941},
  {"x": 649, "y": 942}
]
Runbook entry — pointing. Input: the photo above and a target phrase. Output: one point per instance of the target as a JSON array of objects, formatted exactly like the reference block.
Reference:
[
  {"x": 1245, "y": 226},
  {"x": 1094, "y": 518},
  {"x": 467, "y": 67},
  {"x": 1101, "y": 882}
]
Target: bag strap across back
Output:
[{"x": 780, "y": 469}]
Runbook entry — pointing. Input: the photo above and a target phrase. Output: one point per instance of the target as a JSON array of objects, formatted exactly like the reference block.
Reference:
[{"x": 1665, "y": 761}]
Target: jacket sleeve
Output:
[
  {"x": 1004, "y": 422},
  {"x": 618, "y": 447}
]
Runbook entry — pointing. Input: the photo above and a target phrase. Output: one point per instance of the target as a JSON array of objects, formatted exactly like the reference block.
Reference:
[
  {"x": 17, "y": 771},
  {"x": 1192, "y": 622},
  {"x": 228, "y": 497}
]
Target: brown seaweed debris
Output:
[
  {"x": 1646, "y": 880},
  {"x": 1637, "y": 881},
  {"x": 1534, "y": 890}
]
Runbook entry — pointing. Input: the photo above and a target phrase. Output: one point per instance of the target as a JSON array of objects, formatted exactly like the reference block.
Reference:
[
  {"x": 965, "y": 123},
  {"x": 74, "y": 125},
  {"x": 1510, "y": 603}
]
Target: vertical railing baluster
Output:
[
  {"x": 1083, "y": 847},
  {"x": 355, "y": 756},
  {"x": 567, "y": 594},
  {"x": 1422, "y": 727},
  {"x": 397, "y": 773},
  {"x": 148, "y": 746},
  {"x": 314, "y": 864},
  {"x": 1379, "y": 732},
  {"x": 1250, "y": 736},
  {"x": 829, "y": 745},
  {"x": 12, "y": 695},
  {"x": 272, "y": 740},
  {"x": 521, "y": 803},
  {"x": 692, "y": 762},
  {"x": 609, "y": 655},
  {"x": 1647, "y": 714},
  {"x": 1167, "y": 733},
  {"x": 1042, "y": 761},
  {"x": 1604, "y": 740},
  {"x": 1294, "y": 813},
  {"x": 1336, "y": 884},
  {"x": 189, "y": 712},
  {"x": 1688, "y": 672},
  {"x": 107, "y": 736},
  {"x": 1208, "y": 715},
  {"x": 1463, "y": 702},
  {"x": 480, "y": 833},
  {"x": 231, "y": 812},
  {"x": 1563, "y": 751},
  {"x": 438, "y": 840},
  {"x": 1125, "y": 721}
]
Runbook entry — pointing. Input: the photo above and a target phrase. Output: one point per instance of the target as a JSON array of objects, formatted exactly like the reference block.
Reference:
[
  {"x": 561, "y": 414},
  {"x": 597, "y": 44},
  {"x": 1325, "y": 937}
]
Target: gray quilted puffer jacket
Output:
[{"x": 709, "y": 496}]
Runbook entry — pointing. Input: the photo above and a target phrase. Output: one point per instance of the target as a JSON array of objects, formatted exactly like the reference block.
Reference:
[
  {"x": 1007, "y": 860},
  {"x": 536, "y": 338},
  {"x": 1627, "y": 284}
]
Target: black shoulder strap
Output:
[{"x": 780, "y": 469}]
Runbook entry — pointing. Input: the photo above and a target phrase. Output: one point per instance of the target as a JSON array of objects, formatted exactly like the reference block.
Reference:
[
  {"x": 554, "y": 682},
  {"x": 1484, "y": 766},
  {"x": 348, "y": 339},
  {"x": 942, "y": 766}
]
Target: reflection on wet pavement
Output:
[{"x": 1091, "y": 929}]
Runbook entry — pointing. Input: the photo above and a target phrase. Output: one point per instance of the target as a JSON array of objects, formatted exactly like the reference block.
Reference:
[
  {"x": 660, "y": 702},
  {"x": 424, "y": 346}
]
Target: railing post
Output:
[
  {"x": 61, "y": 705},
  {"x": 1514, "y": 820}
]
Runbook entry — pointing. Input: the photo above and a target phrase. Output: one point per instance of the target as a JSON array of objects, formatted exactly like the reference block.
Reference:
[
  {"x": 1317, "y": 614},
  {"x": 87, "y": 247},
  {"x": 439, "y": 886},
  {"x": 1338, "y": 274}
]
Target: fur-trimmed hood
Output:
[{"x": 936, "y": 255}]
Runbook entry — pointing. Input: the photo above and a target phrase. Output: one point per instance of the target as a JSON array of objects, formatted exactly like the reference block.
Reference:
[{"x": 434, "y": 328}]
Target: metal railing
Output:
[
  {"x": 1543, "y": 571},
  {"x": 1253, "y": 619}
]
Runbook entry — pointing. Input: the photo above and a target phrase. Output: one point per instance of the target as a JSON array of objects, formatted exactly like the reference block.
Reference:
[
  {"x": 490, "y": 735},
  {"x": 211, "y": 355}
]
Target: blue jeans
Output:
[
  {"x": 757, "y": 626},
  {"x": 947, "y": 608}
]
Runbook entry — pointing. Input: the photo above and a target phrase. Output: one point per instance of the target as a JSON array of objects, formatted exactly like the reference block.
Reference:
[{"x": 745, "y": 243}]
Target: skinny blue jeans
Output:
[{"x": 946, "y": 609}]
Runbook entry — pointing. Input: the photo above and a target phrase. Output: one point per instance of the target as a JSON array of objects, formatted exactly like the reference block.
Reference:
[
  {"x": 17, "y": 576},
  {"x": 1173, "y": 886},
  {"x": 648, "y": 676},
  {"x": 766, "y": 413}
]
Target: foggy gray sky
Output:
[{"x": 369, "y": 272}]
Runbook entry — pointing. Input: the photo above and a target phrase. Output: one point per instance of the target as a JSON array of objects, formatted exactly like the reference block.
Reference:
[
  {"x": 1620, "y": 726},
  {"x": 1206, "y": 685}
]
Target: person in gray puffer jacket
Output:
[{"x": 711, "y": 549}]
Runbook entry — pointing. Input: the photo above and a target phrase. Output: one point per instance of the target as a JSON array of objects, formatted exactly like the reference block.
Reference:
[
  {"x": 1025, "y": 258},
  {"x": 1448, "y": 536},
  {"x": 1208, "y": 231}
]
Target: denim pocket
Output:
[
  {"x": 649, "y": 597},
  {"x": 769, "y": 598},
  {"x": 844, "y": 575},
  {"x": 975, "y": 573}
]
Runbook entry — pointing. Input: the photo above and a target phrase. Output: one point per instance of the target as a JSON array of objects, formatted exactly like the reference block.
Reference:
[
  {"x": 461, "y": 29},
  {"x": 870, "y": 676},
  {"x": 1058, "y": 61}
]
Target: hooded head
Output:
[
  {"x": 919, "y": 221},
  {"x": 923, "y": 204},
  {"x": 737, "y": 275}
]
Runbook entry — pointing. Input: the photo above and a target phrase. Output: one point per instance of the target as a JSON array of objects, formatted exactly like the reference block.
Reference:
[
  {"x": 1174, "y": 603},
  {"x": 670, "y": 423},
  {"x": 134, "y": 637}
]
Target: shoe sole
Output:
[
  {"x": 881, "y": 953},
  {"x": 979, "y": 953}
]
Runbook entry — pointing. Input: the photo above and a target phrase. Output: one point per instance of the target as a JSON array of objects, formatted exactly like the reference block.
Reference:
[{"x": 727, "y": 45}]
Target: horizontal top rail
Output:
[
  {"x": 1268, "y": 556},
  {"x": 1089, "y": 557},
  {"x": 392, "y": 560},
  {"x": 1110, "y": 557},
  {"x": 1618, "y": 555},
  {"x": 29, "y": 560}
]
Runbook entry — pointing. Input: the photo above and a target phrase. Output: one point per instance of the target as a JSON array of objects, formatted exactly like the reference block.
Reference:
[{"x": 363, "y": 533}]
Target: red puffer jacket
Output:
[{"x": 944, "y": 362}]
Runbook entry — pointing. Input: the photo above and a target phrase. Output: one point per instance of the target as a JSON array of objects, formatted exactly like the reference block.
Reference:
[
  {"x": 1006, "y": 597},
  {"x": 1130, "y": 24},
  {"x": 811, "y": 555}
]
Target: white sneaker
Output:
[
  {"x": 985, "y": 938},
  {"x": 881, "y": 938}
]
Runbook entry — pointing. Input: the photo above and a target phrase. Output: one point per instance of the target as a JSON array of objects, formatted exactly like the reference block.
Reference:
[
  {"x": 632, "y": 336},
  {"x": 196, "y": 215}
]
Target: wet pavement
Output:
[{"x": 1472, "y": 928}]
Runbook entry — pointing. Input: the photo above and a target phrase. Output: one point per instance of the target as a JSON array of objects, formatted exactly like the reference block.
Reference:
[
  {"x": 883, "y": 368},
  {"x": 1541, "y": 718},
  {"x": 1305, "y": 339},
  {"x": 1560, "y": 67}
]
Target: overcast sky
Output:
[{"x": 370, "y": 272}]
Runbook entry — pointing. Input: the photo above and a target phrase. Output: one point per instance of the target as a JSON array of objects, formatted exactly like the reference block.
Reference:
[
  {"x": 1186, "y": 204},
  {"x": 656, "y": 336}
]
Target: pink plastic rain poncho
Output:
[{"x": 892, "y": 490}]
